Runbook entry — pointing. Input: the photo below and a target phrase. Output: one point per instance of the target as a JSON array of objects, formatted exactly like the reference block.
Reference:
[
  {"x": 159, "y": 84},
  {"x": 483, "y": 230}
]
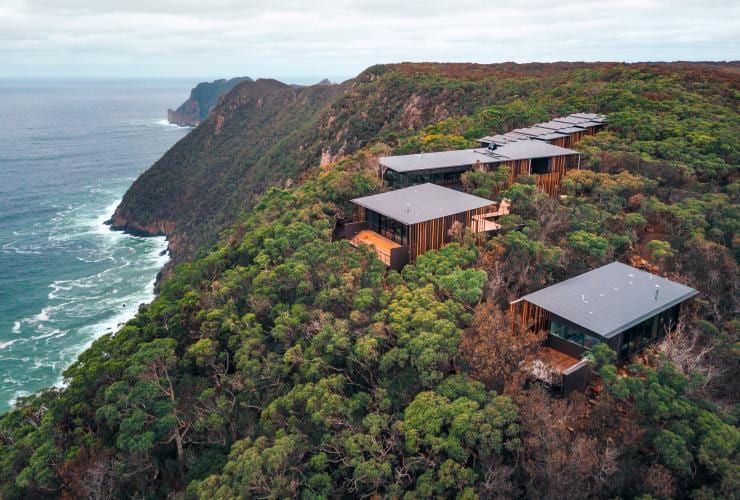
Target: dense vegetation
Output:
[
  {"x": 267, "y": 133},
  {"x": 282, "y": 364},
  {"x": 203, "y": 98}
]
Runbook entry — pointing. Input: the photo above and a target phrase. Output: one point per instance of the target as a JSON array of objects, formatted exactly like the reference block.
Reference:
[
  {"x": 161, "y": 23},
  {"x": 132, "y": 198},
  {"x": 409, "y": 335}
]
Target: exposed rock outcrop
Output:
[{"x": 203, "y": 98}]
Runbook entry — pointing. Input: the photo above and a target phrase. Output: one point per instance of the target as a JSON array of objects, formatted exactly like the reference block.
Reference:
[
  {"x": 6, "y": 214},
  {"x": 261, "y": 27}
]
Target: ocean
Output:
[{"x": 68, "y": 152}]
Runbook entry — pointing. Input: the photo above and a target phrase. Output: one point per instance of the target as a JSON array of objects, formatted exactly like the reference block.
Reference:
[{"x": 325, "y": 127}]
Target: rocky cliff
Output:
[
  {"x": 248, "y": 141},
  {"x": 202, "y": 99}
]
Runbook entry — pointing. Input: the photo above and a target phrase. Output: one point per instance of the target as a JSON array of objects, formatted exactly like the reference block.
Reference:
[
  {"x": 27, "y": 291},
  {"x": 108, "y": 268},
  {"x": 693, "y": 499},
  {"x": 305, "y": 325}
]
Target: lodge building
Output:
[
  {"x": 616, "y": 304},
  {"x": 541, "y": 150},
  {"x": 563, "y": 132},
  {"x": 547, "y": 162},
  {"x": 402, "y": 224}
]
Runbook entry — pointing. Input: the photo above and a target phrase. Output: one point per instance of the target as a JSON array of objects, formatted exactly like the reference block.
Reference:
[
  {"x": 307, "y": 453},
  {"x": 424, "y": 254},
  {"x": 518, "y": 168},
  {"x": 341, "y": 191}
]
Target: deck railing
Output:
[{"x": 384, "y": 256}]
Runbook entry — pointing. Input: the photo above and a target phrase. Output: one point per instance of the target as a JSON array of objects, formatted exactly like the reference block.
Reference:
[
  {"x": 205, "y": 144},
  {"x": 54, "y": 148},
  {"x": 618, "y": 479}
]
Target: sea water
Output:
[{"x": 68, "y": 152}]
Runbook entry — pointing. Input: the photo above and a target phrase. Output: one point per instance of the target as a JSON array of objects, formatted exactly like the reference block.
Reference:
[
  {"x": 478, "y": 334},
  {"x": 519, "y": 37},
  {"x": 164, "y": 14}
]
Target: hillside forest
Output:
[{"x": 277, "y": 363}]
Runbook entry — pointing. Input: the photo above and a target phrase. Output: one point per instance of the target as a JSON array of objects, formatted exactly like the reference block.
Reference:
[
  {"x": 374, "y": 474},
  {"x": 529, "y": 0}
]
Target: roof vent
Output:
[
  {"x": 408, "y": 207},
  {"x": 583, "y": 297},
  {"x": 657, "y": 291}
]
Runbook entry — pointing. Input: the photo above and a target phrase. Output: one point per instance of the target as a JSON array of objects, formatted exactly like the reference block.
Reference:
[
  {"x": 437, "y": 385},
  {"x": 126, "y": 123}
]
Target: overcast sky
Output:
[{"x": 304, "y": 40}]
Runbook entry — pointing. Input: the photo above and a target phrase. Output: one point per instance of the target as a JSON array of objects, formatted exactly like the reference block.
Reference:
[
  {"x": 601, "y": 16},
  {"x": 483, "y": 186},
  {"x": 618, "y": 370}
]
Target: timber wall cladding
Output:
[
  {"x": 559, "y": 166},
  {"x": 550, "y": 182},
  {"x": 577, "y": 136},
  {"x": 434, "y": 234},
  {"x": 516, "y": 168},
  {"x": 563, "y": 142},
  {"x": 358, "y": 213},
  {"x": 526, "y": 316}
]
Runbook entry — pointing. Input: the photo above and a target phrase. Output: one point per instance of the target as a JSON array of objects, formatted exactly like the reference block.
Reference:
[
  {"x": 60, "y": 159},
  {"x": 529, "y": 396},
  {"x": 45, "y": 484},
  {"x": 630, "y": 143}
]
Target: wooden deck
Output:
[
  {"x": 556, "y": 360},
  {"x": 482, "y": 222},
  {"x": 380, "y": 244}
]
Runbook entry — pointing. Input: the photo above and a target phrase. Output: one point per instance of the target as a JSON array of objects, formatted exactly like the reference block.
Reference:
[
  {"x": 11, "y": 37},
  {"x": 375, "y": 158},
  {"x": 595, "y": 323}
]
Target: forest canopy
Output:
[{"x": 281, "y": 363}]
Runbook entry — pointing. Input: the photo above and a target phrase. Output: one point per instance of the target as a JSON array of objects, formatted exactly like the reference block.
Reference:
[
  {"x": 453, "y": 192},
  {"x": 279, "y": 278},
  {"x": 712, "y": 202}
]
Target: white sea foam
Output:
[
  {"x": 17, "y": 395},
  {"x": 97, "y": 297},
  {"x": 8, "y": 343},
  {"x": 91, "y": 272},
  {"x": 42, "y": 316}
]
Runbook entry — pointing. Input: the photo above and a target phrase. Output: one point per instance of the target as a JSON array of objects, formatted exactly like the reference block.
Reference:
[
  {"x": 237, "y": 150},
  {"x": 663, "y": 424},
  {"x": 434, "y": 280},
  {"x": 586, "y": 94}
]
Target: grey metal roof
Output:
[
  {"x": 611, "y": 298},
  {"x": 580, "y": 121},
  {"x": 532, "y": 131},
  {"x": 523, "y": 150},
  {"x": 502, "y": 139},
  {"x": 559, "y": 126},
  {"x": 590, "y": 116},
  {"x": 590, "y": 124},
  {"x": 465, "y": 158},
  {"x": 549, "y": 137},
  {"x": 574, "y": 120},
  {"x": 421, "y": 203},
  {"x": 572, "y": 130},
  {"x": 462, "y": 158}
]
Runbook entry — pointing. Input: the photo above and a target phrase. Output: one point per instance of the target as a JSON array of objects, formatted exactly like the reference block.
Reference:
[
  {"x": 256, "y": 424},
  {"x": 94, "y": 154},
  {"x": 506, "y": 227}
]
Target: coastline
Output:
[{"x": 124, "y": 307}]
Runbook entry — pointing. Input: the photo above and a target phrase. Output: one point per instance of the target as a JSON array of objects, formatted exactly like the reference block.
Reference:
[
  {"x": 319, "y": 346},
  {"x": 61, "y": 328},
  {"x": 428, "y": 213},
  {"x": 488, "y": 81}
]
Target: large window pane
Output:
[{"x": 573, "y": 335}]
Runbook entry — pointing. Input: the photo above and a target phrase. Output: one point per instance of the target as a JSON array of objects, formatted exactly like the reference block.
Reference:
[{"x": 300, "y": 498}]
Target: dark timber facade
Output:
[
  {"x": 401, "y": 225},
  {"x": 546, "y": 162},
  {"x": 616, "y": 304}
]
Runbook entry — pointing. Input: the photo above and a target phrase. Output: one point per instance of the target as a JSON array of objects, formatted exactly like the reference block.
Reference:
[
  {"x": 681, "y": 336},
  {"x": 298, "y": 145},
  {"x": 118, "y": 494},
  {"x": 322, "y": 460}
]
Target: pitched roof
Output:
[
  {"x": 577, "y": 122},
  {"x": 590, "y": 116},
  {"x": 552, "y": 135},
  {"x": 574, "y": 120},
  {"x": 434, "y": 161},
  {"x": 590, "y": 124},
  {"x": 465, "y": 158},
  {"x": 523, "y": 150},
  {"x": 501, "y": 139},
  {"x": 559, "y": 126},
  {"x": 611, "y": 298},
  {"x": 532, "y": 131},
  {"x": 421, "y": 203},
  {"x": 582, "y": 120}
]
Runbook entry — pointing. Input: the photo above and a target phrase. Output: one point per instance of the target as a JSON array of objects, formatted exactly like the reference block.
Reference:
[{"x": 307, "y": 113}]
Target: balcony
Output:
[
  {"x": 388, "y": 251},
  {"x": 484, "y": 223}
]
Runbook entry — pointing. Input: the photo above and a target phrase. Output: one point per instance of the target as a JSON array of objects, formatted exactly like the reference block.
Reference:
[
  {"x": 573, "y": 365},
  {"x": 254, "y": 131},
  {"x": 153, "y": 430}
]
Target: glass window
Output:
[
  {"x": 540, "y": 165},
  {"x": 643, "y": 333},
  {"x": 573, "y": 335},
  {"x": 390, "y": 228}
]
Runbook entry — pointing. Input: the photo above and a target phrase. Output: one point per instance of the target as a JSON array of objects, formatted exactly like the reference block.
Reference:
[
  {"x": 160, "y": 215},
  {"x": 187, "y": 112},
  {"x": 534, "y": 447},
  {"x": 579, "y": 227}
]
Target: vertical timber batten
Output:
[
  {"x": 527, "y": 316},
  {"x": 434, "y": 234}
]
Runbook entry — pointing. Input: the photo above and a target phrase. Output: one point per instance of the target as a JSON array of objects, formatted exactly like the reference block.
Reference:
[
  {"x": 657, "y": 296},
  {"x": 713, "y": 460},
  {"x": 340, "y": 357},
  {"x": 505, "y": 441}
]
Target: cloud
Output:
[{"x": 334, "y": 38}]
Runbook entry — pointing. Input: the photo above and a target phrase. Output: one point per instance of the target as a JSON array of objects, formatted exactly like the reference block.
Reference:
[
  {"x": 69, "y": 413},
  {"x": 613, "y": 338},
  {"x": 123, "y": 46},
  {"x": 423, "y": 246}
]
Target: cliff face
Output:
[
  {"x": 202, "y": 99},
  {"x": 205, "y": 180}
]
